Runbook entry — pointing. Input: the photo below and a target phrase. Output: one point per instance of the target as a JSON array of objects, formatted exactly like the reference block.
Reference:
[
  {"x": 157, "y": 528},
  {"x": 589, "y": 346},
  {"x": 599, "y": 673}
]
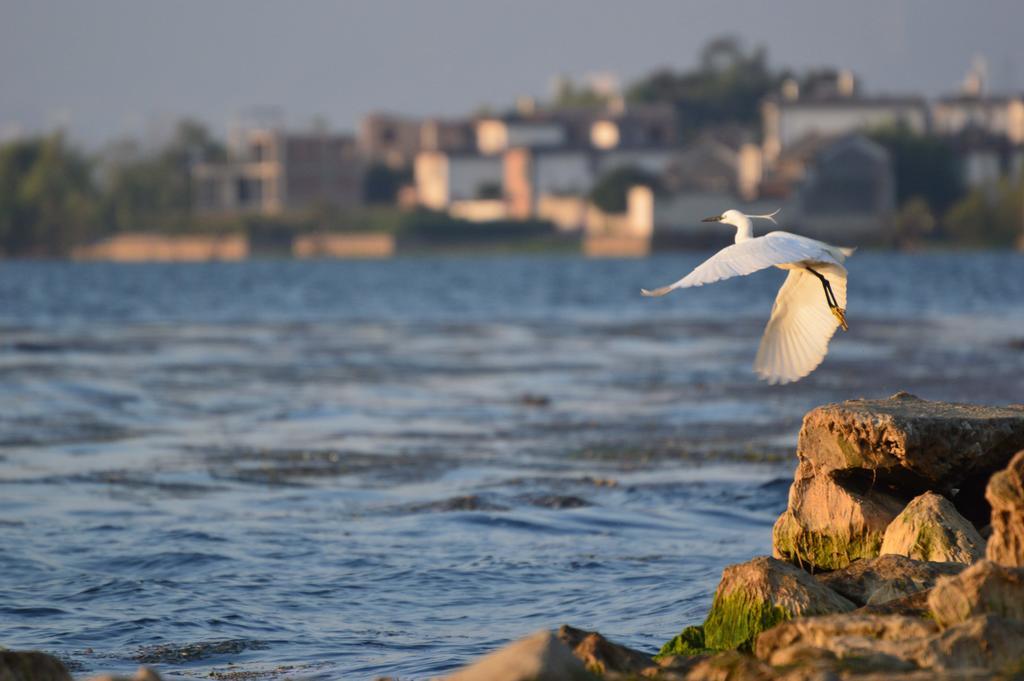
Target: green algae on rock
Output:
[
  {"x": 752, "y": 597},
  {"x": 690, "y": 641},
  {"x": 829, "y": 524}
]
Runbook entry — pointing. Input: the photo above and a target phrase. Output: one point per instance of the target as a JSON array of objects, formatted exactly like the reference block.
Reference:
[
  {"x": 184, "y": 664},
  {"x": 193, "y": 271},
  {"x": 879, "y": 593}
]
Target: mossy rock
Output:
[
  {"x": 736, "y": 620},
  {"x": 751, "y": 598},
  {"x": 688, "y": 642},
  {"x": 822, "y": 550}
]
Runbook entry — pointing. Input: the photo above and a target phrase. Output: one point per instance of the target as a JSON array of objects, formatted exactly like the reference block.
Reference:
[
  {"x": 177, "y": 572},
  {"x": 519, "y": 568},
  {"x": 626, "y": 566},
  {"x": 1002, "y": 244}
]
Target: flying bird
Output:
[{"x": 809, "y": 306}]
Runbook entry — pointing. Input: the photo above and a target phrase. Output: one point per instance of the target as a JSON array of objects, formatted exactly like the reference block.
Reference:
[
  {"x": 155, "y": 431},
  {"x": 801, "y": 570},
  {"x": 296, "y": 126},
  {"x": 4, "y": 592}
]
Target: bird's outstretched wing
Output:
[
  {"x": 796, "y": 338},
  {"x": 774, "y": 248}
]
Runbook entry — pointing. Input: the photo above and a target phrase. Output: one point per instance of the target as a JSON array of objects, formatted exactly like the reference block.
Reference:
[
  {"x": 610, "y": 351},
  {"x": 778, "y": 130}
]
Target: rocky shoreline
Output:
[{"x": 900, "y": 556}]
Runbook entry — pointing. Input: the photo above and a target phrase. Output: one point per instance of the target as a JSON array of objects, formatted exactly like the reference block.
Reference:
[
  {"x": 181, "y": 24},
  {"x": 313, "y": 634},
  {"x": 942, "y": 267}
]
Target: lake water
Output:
[{"x": 333, "y": 470}]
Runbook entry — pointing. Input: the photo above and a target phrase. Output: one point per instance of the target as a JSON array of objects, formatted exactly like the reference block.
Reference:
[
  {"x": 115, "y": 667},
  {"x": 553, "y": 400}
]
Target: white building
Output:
[
  {"x": 443, "y": 178},
  {"x": 787, "y": 120},
  {"x": 992, "y": 115}
]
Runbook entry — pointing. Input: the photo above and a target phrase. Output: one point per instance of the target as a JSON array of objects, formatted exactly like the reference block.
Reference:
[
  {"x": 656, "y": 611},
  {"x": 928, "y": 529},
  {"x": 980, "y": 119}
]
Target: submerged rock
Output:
[
  {"x": 874, "y": 581},
  {"x": 1005, "y": 492},
  {"x": 752, "y": 597},
  {"x": 920, "y": 444},
  {"x": 828, "y": 525},
  {"x": 930, "y": 528},
  {"x": 538, "y": 657},
  {"x": 983, "y": 588},
  {"x": 31, "y": 665}
]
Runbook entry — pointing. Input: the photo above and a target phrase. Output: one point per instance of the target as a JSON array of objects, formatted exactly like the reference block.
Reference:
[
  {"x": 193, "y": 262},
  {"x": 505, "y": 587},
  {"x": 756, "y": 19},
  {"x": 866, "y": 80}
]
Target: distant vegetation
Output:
[
  {"x": 726, "y": 87},
  {"x": 54, "y": 197}
]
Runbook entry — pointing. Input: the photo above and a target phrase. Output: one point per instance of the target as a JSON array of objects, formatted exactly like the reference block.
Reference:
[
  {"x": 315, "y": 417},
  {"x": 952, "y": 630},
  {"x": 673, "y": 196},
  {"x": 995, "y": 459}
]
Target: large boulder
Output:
[
  {"x": 539, "y": 657},
  {"x": 915, "y": 443},
  {"x": 930, "y": 528},
  {"x": 987, "y": 642},
  {"x": 30, "y": 665},
  {"x": 1005, "y": 492},
  {"x": 874, "y": 581},
  {"x": 752, "y": 597},
  {"x": 983, "y": 588},
  {"x": 981, "y": 646},
  {"x": 828, "y": 524},
  {"x": 882, "y": 642}
]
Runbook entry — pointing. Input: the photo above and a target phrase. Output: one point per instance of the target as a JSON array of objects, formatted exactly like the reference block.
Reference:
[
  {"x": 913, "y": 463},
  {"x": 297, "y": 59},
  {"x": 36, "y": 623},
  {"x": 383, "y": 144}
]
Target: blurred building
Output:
[
  {"x": 537, "y": 162},
  {"x": 997, "y": 116},
  {"x": 834, "y": 108},
  {"x": 270, "y": 171},
  {"x": 389, "y": 139}
]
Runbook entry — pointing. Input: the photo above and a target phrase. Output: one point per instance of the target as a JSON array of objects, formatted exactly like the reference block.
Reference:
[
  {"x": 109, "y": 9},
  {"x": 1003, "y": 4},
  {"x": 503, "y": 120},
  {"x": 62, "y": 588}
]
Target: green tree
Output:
[
  {"x": 726, "y": 87},
  {"x": 924, "y": 166},
  {"x": 48, "y": 202},
  {"x": 990, "y": 216},
  {"x": 610, "y": 192},
  {"x": 146, "y": 190},
  {"x": 569, "y": 94},
  {"x": 381, "y": 183}
]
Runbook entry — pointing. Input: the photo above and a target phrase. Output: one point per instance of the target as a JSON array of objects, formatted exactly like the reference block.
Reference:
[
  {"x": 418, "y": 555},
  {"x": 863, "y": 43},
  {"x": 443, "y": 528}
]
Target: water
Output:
[{"x": 342, "y": 470}]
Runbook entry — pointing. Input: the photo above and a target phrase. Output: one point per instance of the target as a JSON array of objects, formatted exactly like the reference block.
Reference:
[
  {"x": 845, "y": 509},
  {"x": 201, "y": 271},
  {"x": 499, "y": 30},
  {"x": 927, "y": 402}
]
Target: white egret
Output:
[{"x": 796, "y": 338}]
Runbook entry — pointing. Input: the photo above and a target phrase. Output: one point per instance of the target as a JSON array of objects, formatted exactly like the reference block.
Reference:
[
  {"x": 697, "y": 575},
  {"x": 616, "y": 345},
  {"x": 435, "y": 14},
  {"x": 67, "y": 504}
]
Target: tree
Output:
[
  {"x": 726, "y": 87},
  {"x": 990, "y": 216},
  {"x": 924, "y": 166},
  {"x": 48, "y": 202},
  {"x": 381, "y": 183},
  {"x": 610, "y": 192},
  {"x": 146, "y": 190}
]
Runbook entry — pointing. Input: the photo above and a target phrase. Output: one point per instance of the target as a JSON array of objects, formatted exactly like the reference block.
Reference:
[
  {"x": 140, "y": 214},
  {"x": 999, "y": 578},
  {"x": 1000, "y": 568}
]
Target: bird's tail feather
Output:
[{"x": 656, "y": 292}]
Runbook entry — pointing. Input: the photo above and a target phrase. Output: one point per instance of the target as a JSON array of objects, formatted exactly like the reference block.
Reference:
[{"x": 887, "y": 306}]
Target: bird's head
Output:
[{"x": 738, "y": 219}]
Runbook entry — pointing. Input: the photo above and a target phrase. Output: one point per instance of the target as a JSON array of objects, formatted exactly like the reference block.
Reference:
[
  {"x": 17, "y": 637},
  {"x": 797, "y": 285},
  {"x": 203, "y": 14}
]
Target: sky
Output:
[{"x": 103, "y": 69}]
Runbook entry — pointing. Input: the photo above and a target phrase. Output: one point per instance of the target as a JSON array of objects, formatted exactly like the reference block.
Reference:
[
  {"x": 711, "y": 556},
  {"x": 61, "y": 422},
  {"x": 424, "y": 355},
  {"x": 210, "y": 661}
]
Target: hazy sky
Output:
[{"x": 103, "y": 68}]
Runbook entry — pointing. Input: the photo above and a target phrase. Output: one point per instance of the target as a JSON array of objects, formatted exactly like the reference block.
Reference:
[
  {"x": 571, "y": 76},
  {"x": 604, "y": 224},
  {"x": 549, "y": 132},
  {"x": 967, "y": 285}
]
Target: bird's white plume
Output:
[{"x": 769, "y": 216}]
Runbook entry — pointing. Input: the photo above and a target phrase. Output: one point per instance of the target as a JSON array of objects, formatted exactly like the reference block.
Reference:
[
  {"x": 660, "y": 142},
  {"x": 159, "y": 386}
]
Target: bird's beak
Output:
[{"x": 713, "y": 218}]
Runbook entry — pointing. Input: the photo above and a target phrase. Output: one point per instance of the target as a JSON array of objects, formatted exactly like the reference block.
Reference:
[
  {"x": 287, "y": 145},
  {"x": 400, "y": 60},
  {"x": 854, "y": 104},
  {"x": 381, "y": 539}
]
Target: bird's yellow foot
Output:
[{"x": 840, "y": 314}]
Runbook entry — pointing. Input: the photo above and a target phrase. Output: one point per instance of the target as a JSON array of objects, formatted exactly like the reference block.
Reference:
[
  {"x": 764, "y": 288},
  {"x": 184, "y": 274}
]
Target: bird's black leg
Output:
[{"x": 830, "y": 298}]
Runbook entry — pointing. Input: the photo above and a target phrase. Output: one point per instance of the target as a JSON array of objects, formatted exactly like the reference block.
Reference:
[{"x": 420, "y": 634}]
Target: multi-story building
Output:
[
  {"x": 270, "y": 171},
  {"x": 835, "y": 110}
]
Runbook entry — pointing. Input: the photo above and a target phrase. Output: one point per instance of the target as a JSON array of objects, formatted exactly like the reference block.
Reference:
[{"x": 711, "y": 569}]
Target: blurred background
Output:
[{"x": 322, "y": 353}]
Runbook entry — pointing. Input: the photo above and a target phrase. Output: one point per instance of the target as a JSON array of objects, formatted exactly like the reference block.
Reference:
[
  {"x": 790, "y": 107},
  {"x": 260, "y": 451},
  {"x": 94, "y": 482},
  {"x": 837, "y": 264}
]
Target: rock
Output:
[
  {"x": 986, "y": 642},
  {"x": 730, "y": 666},
  {"x": 983, "y": 588},
  {"x": 30, "y": 665},
  {"x": 914, "y": 443},
  {"x": 873, "y": 581},
  {"x": 930, "y": 528},
  {"x": 599, "y": 655},
  {"x": 914, "y": 605},
  {"x": 873, "y": 642},
  {"x": 538, "y": 657},
  {"x": 1005, "y": 492},
  {"x": 828, "y": 525},
  {"x": 755, "y": 596}
]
